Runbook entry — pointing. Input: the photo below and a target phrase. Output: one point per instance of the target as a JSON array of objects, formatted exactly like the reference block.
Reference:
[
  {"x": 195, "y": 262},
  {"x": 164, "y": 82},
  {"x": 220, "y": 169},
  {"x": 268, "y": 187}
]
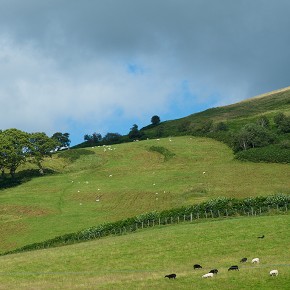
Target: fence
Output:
[{"x": 151, "y": 220}]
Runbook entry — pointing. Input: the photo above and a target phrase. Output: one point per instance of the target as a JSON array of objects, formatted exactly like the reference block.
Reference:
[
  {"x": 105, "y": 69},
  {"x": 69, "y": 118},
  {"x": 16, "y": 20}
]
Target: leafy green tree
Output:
[
  {"x": 251, "y": 136},
  {"x": 40, "y": 146},
  {"x": 282, "y": 122},
  {"x": 62, "y": 139},
  {"x": 263, "y": 121},
  {"x": 14, "y": 148},
  {"x": 94, "y": 138},
  {"x": 155, "y": 120},
  {"x": 134, "y": 132},
  {"x": 221, "y": 126},
  {"x": 112, "y": 138}
]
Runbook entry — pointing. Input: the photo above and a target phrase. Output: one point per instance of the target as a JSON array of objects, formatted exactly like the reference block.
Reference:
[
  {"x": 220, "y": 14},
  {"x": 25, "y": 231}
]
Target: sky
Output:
[{"x": 85, "y": 66}]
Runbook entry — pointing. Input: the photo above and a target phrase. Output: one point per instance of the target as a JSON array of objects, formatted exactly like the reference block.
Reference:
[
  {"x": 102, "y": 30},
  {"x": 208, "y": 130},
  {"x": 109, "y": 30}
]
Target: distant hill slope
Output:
[{"x": 236, "y": 114}]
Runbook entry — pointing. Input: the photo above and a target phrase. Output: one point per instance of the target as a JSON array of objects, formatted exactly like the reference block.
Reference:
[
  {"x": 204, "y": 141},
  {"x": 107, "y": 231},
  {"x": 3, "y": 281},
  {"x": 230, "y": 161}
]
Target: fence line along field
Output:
[
  {"x": 109, "y": 183},
  {"x": 141, "y": 260}
]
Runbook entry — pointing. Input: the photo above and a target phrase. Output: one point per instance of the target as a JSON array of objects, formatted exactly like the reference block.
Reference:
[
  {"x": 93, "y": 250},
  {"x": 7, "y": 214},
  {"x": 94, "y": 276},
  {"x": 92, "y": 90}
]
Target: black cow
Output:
[
  {"x": 244, "y": 260},
  {"x": 231, "y": 268},
  {"x": 214, "y": 271},
  {"x": 262, "y": 237},
  {"x": 197, "y": 266},
  {"x": 170, "y": 276}
]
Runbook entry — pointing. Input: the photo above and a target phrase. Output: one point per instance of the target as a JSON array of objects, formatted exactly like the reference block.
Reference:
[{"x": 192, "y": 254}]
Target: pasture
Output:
[
  {"x": 102, "y": 184},
  {"x": 141, "y": 260}
]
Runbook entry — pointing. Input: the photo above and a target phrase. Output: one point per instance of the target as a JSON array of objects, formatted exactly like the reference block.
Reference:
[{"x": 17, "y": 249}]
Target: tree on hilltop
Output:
[{"x": 155, "y": 120}]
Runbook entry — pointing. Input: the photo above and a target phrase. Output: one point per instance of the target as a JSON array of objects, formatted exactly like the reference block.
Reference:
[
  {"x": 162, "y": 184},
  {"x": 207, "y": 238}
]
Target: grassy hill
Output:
[
  {"x": 141, "y": 260},
  {"x": 235, "y": 115},
  {"x": 104, "y": 184}
]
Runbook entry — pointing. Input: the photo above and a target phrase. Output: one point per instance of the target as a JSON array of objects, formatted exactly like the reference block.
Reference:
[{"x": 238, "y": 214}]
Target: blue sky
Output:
[{"x": 101, "y": 66}]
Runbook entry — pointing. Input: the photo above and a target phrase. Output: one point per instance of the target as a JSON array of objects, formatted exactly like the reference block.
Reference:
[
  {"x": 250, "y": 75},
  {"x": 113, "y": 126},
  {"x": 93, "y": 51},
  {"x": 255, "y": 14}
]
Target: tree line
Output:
[{"x": 18, "y": 147}]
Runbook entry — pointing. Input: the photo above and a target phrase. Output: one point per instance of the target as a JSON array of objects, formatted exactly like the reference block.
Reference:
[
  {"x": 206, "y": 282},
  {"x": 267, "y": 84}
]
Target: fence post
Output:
[
  {"x": 198, "y": 215},
  {"x": 136, "y": 226},
  {"x": 159, "y": 220},
  {"x": 142, "y": 224},
  {"x": 184, "y": 217},
  {"x": 205, "y": 214},
  {"x": 286, "y": 208},
  {"x": 178, "y": 219},
  {"x": 191, "y": 216},
  {"x": 211, "y": 213},
  {"x": 277, "y": 207},
  {"x": 252, "y": 211},
  {"x": 260, "y": 211},
  {"x": 171, "y": 220},
  {"x": 227, "y": 213}
]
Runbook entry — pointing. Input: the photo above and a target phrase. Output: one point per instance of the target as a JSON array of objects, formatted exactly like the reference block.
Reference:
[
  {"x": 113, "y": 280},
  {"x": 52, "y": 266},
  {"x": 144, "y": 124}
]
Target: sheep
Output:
[
  {"x": 243, "y": 260},
  {"x": 274, "y": 273},
  {"x": 256, "y": 261},
  {"x": 231, "y": 268},
  {"x": 170, "y": 276},
  {"x": 208, "y": 275},
  {"x": 197, "y": 266},
  {"x": 213, "y": 271}
]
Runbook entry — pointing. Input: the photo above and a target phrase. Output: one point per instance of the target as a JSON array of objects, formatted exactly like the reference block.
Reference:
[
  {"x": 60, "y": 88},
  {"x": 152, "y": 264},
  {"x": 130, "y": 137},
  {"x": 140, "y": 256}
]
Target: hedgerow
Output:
[{"x": 218, "y": 207}]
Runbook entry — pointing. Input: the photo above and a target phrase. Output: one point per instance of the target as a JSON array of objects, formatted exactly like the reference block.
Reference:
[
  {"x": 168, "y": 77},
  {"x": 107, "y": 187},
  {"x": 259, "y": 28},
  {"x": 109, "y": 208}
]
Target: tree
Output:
[
  {"x": 40, "y": 146},
  {"x": 263, "y": 121},
  {"x": 155, "y": 120},
  {"x": 94, "y": 138},
  {"x": 112, "y": 138},
  {"x": 134, "y": 132},
  {"x": 62, "y": 139},
  {"x": 282, "y": 122},
  {"x": 14, "y": 148},
  {"x": 221, "y": 126},
  {"x": 251, "y": 136}
]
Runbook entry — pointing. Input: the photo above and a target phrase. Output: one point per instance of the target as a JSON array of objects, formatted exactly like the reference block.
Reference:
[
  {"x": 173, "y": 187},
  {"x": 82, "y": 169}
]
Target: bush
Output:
[
  {"x": 162, "y": 150},
  {"x": 271, "y": 153}
]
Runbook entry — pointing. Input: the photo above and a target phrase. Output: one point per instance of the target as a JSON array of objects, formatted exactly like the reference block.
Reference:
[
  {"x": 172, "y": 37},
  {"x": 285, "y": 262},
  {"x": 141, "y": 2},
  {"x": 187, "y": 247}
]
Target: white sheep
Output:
[
  {"x": 274, "y": 273},
  {"x": 208, "y": 275},
  {"x": 256, "y": 261}
]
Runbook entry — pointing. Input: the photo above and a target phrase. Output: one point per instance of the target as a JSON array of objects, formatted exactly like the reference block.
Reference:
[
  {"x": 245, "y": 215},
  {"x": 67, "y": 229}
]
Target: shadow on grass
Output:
[{"x": 22, "y": 177}]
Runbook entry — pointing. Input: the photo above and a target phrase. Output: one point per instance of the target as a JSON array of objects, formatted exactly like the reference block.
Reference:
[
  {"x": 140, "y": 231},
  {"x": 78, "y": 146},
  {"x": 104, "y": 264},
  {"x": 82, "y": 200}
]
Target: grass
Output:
[
  {"x": 140, "y": 260},
  {"x": 53, "y": 205}
]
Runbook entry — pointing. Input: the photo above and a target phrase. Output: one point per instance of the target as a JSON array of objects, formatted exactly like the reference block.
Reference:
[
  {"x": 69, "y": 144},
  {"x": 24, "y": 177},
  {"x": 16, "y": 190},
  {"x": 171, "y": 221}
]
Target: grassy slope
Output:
[
  {"x": 236, "y": 115},
  {"x": 53, "y": 205},
  {"x": 140, "y": 260}
]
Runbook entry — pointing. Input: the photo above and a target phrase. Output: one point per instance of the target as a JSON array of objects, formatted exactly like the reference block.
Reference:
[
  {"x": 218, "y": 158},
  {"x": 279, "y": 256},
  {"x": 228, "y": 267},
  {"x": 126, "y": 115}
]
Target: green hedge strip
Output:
[{"x": 221, "y": 206}]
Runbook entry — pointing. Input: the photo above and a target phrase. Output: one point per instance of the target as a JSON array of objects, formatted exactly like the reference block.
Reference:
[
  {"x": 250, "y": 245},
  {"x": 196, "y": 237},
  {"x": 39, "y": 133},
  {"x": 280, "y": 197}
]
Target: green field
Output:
[
  {"x": 142, "y": 259},
  {"x": 141, "y": 181}
]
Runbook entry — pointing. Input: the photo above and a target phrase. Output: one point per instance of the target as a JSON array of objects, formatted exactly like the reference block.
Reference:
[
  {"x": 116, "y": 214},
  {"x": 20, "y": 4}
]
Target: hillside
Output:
[
  {"x": 236, "y": 115},
  {"x": 141, "y": 260},
  {"x": 109, "y": 183}
]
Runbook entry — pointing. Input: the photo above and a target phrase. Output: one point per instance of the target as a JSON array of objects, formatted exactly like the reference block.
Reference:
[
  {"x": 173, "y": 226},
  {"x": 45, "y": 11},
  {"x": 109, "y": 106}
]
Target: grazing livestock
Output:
[
  {"x": 197, "y": 266},
  {"x": 243, "y": 260},
  {"x": 231, "y": 268},
  {"x": 256, "y": 261},
  {"x": 208, "y": 275},
  {"x": 274, "y": 273},
  {"x": 170, "y": 276},
  {"x": 214, "y": 271},
  {"x": 262, "y": 237}
]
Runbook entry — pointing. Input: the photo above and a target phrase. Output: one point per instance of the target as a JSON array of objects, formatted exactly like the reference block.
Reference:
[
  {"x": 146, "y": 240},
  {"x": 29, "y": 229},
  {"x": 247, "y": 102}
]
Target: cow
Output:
[{"x": 170, "y": 276}]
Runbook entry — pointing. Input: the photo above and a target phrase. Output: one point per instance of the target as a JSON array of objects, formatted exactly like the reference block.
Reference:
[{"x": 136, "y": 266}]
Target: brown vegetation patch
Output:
[{"x": 22, "y": 210}]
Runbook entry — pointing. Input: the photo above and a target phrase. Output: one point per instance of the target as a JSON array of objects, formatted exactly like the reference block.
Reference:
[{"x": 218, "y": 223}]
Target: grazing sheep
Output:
[
  {"x": 274, "y": 273},
  {"x": 214, "y": 271},
  {"x": 208, "y": 275},
  {"x": 256, "y": 261},
  {"x": 197, "y": 266},
  {"x": 231, "y": 268},
  {"x": 170, "y": 276},
  {"x": 244, "y": 260}
]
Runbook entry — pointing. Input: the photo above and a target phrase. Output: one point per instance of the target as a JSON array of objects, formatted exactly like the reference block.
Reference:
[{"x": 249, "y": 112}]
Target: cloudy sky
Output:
[{"x": 84, "y": 66}]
